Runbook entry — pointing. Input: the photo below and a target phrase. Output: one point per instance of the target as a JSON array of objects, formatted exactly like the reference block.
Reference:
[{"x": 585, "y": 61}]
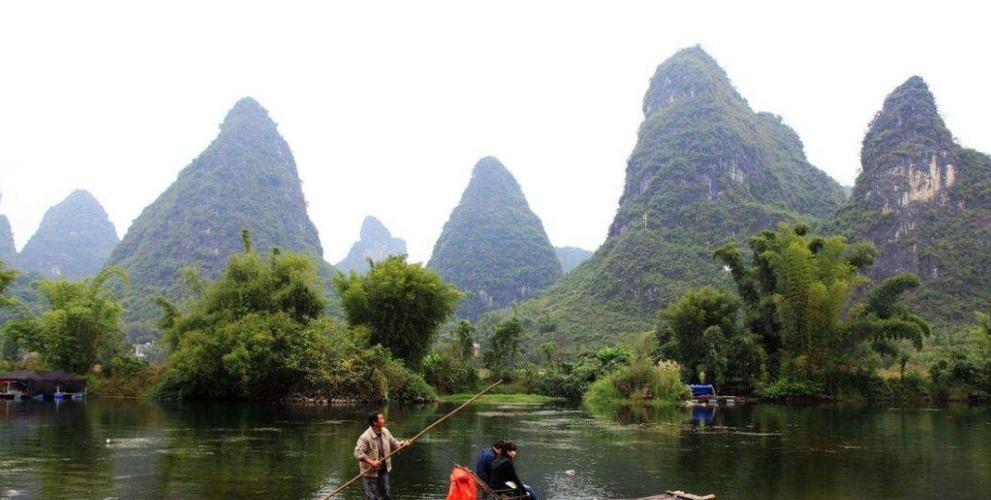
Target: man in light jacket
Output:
[{"x": 370, "y": 451}]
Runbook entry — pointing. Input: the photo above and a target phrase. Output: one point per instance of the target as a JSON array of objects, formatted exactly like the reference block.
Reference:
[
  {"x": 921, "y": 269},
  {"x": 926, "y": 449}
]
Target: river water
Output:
[{"x": 147, "y": 449}]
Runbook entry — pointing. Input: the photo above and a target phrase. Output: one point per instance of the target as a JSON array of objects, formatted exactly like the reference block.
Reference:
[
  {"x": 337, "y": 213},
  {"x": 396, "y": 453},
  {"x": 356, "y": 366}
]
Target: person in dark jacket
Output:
[
  {"x": 504, "y": 474},
  {"x": 483, "y": 464}
]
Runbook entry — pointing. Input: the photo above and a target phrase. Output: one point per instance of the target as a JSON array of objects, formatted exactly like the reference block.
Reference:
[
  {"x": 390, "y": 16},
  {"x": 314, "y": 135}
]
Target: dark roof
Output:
[{"x": 30, "y": 375}]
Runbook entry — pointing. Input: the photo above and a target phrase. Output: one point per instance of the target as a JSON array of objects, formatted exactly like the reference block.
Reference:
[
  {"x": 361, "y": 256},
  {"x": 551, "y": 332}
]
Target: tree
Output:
[
  {"x": 402, "y": 304},
  {"x": 700, "y": 321},
  {"x": 80, "y": 326},
  {"x": 254, "y": 332},
  {"x": 504, "y": 346},
  {"x": 464, "y": 337},
  {"x": 797, "y": 293},
  {"x": 7, "y": 277}
]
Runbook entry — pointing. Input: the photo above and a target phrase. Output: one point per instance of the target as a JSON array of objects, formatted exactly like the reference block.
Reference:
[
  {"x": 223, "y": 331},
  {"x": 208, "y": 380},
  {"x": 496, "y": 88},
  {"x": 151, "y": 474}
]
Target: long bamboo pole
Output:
[{"x": 414, "y": 438}]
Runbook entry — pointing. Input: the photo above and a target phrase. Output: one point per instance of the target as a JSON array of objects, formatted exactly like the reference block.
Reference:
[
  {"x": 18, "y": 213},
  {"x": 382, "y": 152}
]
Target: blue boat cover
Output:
[{"x": 702, "y": 390}]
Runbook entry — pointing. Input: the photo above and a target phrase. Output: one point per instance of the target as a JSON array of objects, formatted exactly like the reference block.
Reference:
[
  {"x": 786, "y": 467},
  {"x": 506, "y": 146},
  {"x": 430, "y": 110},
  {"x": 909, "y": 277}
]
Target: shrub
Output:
[{"x": 638, "y": 383}]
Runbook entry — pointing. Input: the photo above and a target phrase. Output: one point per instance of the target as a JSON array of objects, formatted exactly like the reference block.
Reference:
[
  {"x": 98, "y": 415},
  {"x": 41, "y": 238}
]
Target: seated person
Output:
[
  {"x": 483, "y": 464},
  {"x": 504, "y": 474}
]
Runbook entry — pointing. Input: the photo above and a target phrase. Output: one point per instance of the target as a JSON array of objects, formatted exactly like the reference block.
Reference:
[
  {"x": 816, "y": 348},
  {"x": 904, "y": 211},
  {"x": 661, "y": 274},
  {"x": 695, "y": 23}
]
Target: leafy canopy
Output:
[
  {"x": 79, "y": 327},
  {"x": 402, "y": 304},
  {"x": 251, "y": 333}
]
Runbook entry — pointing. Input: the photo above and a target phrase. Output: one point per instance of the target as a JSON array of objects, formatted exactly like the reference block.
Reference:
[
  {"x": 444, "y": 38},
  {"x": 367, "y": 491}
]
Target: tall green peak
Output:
[
  {"x": 73, "y": 241},
  {"x": 706, "y": 170},
  {"x": 245, "y": 179},
  {"x": 689, "y": 74},
  {"x": 924, "y": 202},
  {"x": 8, "y": 252},
  {"x": 908, "y": 126},
  {"x": 493, "y": 247},
  {"x": 375, "y": 243}
]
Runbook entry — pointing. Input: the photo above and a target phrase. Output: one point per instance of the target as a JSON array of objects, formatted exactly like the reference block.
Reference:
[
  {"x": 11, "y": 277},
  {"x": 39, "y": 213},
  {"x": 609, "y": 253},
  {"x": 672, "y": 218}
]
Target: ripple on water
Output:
[{"x": 132, "y": 443}]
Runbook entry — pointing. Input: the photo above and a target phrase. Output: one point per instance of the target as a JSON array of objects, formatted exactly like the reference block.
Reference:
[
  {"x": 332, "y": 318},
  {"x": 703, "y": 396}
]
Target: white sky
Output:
[{"x": 387, "y": 106}]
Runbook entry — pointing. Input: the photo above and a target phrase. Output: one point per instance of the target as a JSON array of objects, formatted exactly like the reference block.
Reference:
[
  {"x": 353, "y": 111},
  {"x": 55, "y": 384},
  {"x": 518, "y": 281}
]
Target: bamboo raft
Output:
[{"x": 679, "y": 495}]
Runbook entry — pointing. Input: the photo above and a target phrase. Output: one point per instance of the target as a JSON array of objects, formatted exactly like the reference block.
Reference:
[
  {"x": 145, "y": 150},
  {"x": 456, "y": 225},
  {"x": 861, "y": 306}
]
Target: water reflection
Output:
[{"x": 143, "y": 449}]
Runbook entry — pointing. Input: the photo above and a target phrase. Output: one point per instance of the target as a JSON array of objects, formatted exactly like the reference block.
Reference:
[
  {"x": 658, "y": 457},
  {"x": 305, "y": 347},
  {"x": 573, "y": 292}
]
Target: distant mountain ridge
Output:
[
  {"x": 493, "y": 246},
  {"x": 73, "y": 241},
  {"x": 925, "y": 202},
  {"x": 8, "y": 251},
  {"x": 570, "y": 257},
  {"x": 245, "y": 179},
  {"x": 706, "y": 170},
  {"x": 375, "y": 242}
]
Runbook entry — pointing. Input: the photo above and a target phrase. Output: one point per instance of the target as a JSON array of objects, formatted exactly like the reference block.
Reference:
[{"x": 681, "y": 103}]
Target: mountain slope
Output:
[
  {"x": 375, "y": 242},
  {"x": 925, "y": 203},
  {"x": 493, "y": 246},
  {"x": 245, "y": 179},
  {"x": 570, "y": 257},
  {"x": 706, "y": 170},
  {"x": 73, "y": 241}
]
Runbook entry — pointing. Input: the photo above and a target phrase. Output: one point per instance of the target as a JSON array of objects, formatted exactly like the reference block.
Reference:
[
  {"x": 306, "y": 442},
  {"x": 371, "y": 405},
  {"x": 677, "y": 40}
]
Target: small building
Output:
[{"x": 30, "y": 384}]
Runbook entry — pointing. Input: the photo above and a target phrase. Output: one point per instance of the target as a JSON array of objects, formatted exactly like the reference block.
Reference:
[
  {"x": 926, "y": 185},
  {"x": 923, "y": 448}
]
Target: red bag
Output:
[{"x": 462, "y": 485}]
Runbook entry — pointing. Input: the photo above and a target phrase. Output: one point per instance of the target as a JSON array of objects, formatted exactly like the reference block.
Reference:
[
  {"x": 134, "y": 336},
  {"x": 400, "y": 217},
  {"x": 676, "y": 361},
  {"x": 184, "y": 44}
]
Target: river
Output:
[{"x": 148, "y": 449}]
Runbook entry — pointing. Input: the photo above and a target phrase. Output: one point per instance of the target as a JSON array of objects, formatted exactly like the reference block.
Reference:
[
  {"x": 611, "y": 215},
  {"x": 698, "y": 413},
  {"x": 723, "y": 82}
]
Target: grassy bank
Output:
[{"x": 512, "y": 399}]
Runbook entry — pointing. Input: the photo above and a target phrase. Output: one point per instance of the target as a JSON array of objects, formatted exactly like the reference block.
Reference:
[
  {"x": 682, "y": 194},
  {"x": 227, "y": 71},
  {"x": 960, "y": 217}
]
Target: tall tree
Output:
[
  {"x": 402, "y": 304},
  {"x": 254, "y": 332},
  {"x": 797, "y": 292},
  {"x": 79, "y": 327}
]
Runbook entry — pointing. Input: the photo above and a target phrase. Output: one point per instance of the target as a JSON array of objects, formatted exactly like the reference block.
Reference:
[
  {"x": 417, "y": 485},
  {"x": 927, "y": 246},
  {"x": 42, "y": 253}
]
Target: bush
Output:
[
  {"x": 447, "y": 375},
  {"x": 571, "y": 380},
  {"x": 638, "y": 383},
  {"x": 782, "y": 389}
]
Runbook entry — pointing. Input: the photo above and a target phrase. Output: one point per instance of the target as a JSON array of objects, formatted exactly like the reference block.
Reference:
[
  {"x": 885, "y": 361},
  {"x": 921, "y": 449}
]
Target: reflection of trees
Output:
[
  {"x": 229, "y": 450},
  {"x": 60, "y": 447}
]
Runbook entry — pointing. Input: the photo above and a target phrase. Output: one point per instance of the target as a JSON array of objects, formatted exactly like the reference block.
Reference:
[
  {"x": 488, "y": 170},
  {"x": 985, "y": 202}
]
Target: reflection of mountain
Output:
[{"x": 235, "y": 450}]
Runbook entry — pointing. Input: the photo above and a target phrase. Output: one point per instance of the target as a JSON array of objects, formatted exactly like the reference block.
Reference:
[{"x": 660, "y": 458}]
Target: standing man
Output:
[{"x": 370, "y": 451}]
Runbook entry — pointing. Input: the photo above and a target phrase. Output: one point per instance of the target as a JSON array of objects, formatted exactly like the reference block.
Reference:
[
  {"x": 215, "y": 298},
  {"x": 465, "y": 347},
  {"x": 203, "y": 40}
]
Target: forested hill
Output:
[
  {"x": 245, "y": 179},
  {"x": 493, "y": 247},
  {"x": 73, "y": 241},
  {"x": 375, "y": 242},
  {"x": 925, "y": 203},
  {"x": 706, "y": 170},
  {"x": 570, "y": 257},
  {"x": 7, "y": 249}
]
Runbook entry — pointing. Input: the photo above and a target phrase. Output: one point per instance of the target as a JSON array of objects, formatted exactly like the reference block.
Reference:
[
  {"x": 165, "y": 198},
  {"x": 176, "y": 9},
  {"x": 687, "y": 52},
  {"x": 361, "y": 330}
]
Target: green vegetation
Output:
[
  {"x": 8, "y": 252},
  {"x": 73, "y": 241},
  {"x": 78, "y": 328},
  {"x": 570, "y": 257},
  {"x": 706, "y": 170},
  {"x": 500, "y": 399},
  {"x": 402, "y": 305},
  {"x": 639, "y": 383},
  {"x": 259, "y": 332},
  {"x": 245, "y": 179},
  {"x": 960, "y": 366},
  {"x": 796, "y": 295},
  {"x": 923, "y": 200},
  {"x": 493, "y": 246},
  {"x": 702, "y": 331},
  {"x": 454, "y": 369}
]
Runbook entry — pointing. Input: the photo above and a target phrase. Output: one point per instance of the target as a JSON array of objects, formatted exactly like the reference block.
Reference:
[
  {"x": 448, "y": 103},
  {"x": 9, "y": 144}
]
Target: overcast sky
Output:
[{"x": 387, "y": 106}]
